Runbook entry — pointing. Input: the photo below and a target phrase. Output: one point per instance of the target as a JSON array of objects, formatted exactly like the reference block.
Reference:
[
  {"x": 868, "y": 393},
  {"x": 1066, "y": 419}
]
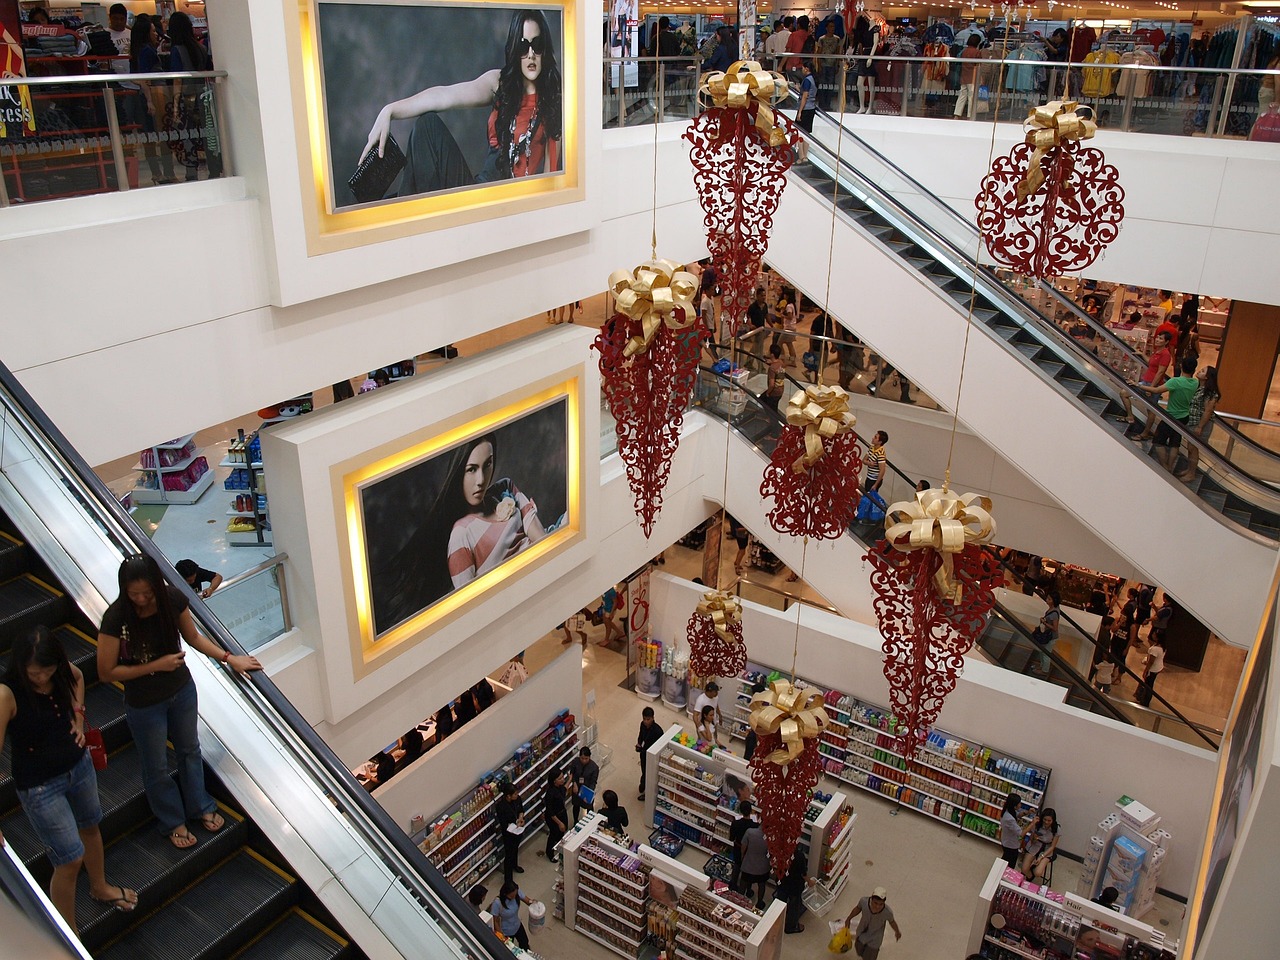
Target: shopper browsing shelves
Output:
[
  {"x": 875, "y": 914},
  {"x": 614, "y": 814}
]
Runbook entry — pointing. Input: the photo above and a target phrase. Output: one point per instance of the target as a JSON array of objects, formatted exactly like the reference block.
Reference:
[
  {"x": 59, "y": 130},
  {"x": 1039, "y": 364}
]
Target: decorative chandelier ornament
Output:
[
  {"x": 741, "y": 150},
  {"x": 648, "y": 364},
  {"x": 788, "y": 721},
  {"x": 934, "y": 583},
  {"x": 1051, "y": 206},
  {"x": 716, "y": 648},
  {"x": 813, "y": 472}
]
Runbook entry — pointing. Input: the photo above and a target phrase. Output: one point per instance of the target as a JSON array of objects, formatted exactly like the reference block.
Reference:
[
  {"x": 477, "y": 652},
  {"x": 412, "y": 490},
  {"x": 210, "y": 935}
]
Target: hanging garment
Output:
[
  {"x": 1135, "y": 83},
  {"x": 1097, "y": 82},
  {"x": 935, "y": 73},
  {"x": 1026, "y": 79},
  {"x": 941, "y": 31}
]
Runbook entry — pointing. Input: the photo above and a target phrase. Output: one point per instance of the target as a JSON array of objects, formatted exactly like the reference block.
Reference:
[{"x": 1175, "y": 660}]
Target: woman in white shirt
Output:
[{"x": 1154, "y": 666}]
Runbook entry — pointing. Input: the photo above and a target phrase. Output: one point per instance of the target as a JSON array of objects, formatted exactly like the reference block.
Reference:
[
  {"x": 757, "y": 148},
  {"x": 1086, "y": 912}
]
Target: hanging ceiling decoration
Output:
[
  {"x": 741, "y": 151},
  {"x": 813, "y": 472},
  {"x": 716, "y": 648},
  {"x": 648, "y": 365},
  {"x": 934, "y": 583},
  {"x": 1051, "y": 206},
  {"x": 785, "y": 768}
]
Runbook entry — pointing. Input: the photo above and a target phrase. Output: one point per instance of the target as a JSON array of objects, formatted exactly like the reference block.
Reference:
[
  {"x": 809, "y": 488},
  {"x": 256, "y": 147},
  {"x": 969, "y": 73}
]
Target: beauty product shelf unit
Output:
[
  {"x": 163, "y": 467},
  {"x": 606, "y": 888},
  {"x": 952, "y": 778},
  {"x": 465, "y": 845},
  {"x": 827, "y": 834},
  {"x": 692, "y": 794}
]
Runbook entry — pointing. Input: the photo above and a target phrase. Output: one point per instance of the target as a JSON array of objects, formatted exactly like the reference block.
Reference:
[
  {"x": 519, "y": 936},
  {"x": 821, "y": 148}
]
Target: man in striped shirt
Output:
[{"x": 876, "y": 461}]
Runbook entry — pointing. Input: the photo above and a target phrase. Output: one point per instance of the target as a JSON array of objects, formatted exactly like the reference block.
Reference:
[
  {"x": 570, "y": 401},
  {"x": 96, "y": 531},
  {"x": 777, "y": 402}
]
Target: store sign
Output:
[
  {"x": 421, "y": 111},
  {"x": 16, "y": 116}
]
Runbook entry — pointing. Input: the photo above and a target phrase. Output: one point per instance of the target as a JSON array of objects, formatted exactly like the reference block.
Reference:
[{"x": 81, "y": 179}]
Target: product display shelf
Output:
[
  {"x": 951, "y": 779},
  {"x": 837, "y": 853},
  {"x": 469, "y": 849},
  {"x": 709, "y": 927},
  {"x": 605, "y": 888},
  {"x": 824, "y": 811},
  {"x": 246, "y": 481},
  {"x": 145, "y": 493},
  {"x": 683, "y": 801}
]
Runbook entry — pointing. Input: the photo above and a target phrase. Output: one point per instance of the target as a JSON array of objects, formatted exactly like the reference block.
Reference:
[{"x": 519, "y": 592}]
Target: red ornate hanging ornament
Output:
[
  {"x": 648, "y": 363},
  {"x": 786, "y": 766},
  {"x": 1051, "y": 206},
  {"x": 813, "y": 472},
  {"x": 715, "y": 636},
  {"x": 741, "y": 151},
  {"x": 934, "y": 583}
]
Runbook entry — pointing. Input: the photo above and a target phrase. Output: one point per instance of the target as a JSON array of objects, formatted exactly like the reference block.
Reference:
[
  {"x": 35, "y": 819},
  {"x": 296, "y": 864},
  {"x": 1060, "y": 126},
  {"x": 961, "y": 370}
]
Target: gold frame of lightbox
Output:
[
  {"x": 329, "y": 229},
  {"x": 370, "y": 651}
]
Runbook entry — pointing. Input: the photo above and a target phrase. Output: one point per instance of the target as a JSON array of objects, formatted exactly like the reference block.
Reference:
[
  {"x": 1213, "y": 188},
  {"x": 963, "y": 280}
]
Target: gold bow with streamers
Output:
[
  {"x": 651, "y": 293},
  {"x": 823, "y": 411},
  {"x": 1052, "y": 124},
  {"x": 744, "y": 83},
  {"x": 940, "y": 520},
  {"x": 797, "y": 714},
  {"x": 724, "y": 611}
]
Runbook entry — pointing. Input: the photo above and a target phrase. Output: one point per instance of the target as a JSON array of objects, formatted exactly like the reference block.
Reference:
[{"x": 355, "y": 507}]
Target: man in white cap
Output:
[{"x": 875, "y": 914}]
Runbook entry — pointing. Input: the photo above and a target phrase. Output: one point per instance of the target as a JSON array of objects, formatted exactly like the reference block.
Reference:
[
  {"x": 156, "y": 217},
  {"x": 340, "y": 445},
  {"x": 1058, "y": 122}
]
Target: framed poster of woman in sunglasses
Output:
[{"x": 428, "y": 98}]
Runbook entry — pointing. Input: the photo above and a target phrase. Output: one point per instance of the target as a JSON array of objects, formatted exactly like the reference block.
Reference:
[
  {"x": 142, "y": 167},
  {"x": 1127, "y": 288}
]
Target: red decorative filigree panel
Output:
[
  {"x": 782, "y": 795},
  {"x": 818, "y": 501}
]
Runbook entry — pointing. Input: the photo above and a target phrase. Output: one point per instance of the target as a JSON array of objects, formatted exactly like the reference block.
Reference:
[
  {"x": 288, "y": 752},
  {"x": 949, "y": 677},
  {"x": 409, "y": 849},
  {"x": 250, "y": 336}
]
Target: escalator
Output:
[
  {"x": 231, "y": 895},
  {"x": 308, "y": 865},
  {"x": 755, "y": 431},
  {"x": 903, "y": 281}
]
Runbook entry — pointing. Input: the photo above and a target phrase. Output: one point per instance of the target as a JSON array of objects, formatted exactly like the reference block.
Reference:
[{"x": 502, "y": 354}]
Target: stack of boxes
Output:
[{"x": 1128, "y": 853}]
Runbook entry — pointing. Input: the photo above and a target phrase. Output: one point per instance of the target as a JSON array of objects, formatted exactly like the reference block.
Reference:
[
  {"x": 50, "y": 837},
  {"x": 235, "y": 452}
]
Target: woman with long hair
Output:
[
  {"x": 42, "y": 705},
  {"x": 1203, "y": 403},
  {"x": 142, "y": 108},
  {"x": 140, "y": 646},
  {"x": 526, "y": 120},
  {"x": 186, "y": 53},
  {"x": 1040, "y": 844},
  {"x": 1011, "y": 829}
]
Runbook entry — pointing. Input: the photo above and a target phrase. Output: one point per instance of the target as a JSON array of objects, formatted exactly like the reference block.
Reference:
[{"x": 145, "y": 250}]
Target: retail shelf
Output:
[
  {"x": 595, "y": 873},
  {"x": 241, "y": 513},
  {"x": 182, "y": 497},
  {"x": 603, "y": 924},
  {"x": 605, "y": 943},
  {"x": 176, "y": 444},
  {"x": 597, "y": 899},
  {"x": 692, "y": 818},
  {"x": 169, "y": 468},
  {"x": 248, "y": 538},
  {"x": 239, "y": 464},
  {"x": 1012, "y": 948},
  {"x": 701, "y": 923},
  {"x": 689, "y": 840},
  {"x": 704, "y": 786}
]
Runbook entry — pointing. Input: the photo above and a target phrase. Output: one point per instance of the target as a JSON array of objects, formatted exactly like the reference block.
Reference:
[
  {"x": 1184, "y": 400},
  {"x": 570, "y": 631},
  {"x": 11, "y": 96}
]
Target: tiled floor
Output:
[{"x": 932, "y": 872}]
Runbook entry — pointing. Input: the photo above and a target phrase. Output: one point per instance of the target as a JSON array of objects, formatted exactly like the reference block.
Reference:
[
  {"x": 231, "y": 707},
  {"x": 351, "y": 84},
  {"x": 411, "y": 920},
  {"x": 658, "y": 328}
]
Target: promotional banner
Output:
[{"x": 16, "y": 116}]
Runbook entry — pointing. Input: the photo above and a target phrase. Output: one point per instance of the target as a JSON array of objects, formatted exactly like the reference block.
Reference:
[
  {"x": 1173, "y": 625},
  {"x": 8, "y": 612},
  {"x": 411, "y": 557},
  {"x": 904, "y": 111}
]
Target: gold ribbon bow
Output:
[
  {"x": 823, "y": 411},
  {"x": 745, "y": 83},
  {"x": 651, "y": 293},
  {"x": 724, "y": 611},
  {"x": 940, "y": 520},
  {"x": 797, "y": 714},
  {"x": 1052, "y": 124}
]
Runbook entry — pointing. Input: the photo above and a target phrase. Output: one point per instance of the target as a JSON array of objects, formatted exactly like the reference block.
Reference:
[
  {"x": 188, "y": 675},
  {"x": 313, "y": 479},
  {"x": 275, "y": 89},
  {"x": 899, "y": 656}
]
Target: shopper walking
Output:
[
  {"x": 584, "y": 773},
  {"x": 509, "y": 814},
  {"x": 611, "y": 604},
  {"x": 649, "y": 734},
  {"x": 1040, "y": 845},
  {"x": 966, "y": 102},
  {"x": 144, "y": 107},
  {"x": 875, "y": 914},
  {"x": 1011, "y": 830},
  {"x": 614, "y": 813},
  {"x": 506, "y": 914},
  {"x": 755, "y": 863},
  {"x": 737, "y": 830},
  {"x": 140, "y": 646},
  {"x": 554, "y": 812},
  {"x": 876, "y": 462},
  {"x": 42, "y": 704}
]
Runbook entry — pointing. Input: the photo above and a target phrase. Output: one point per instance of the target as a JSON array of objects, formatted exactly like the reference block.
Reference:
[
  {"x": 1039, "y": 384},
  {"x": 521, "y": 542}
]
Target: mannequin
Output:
[{"x": 867, "y": 37}]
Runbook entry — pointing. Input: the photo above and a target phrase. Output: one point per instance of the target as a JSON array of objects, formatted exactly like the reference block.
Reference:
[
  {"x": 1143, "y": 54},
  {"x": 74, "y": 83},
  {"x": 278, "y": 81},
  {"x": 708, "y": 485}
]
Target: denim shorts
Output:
[{"x": 60, "y": 808}]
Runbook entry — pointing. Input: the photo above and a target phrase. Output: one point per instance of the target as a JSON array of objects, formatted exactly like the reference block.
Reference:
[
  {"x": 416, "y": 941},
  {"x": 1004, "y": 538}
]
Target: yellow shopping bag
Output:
[{"x": 841, "y": 940}]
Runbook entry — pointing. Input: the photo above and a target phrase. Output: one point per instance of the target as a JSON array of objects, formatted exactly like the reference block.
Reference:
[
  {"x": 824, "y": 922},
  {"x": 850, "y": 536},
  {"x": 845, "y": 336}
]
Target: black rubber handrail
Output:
[
  {"x": 412, "y": 867},
  {"x": 1080, "y": 684},
  {"x": 994, "y": 289}
]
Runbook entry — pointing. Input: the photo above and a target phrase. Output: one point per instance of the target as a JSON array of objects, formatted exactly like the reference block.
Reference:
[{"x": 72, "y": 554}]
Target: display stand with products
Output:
[
  {"x": 952, "y": 779},
  {"x": 172, "y": 472},
  {"x": 249, "y": 525},
  {"x": 648, "y": 669},
  {"x": 695, "y": 790},
  {"x": 1128, "y": 852},
  {"x": 464, "y": 844},
  {"x": 606, "y": 888},
  {"x": 830, "y": 856},
  {"x": 675, "y": 678},
  {"x": 1015, "y": 920}
]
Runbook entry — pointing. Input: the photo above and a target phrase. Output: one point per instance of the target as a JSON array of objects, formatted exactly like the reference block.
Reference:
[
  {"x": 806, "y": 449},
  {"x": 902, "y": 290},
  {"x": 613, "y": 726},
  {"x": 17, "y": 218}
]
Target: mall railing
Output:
[
  {"x": 1172, "y": 101},
  {"x": 35, "y": 437},
  {"x": 108, "y": 132},
  {"x": 767, "y": 595},
  {"x": 254, "y": 605}
]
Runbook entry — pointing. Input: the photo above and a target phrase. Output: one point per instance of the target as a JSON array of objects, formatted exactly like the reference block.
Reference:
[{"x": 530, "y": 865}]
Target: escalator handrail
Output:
[
  {"x": 994, "y": 289},
  {"x": 1109, "y": 708},
  {"x": 31, "y": 900},
  {"x": 384, "y": 835},
  {"x": 1009, "y": 616}
]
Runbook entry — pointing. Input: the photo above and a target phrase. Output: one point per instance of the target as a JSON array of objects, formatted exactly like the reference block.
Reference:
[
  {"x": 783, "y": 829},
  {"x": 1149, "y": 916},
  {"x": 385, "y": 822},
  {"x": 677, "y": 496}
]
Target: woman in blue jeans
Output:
[
  {"x": 42, "y": 706},
  {"x": 139, "y": 646}
]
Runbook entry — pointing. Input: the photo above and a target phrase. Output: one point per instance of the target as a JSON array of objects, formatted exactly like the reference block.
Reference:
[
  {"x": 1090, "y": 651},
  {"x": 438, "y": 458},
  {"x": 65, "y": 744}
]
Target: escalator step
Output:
[
  {"x": 1073, "y": 386},
  {"x": 13, "y": 556},
  {"x": 1242, "y": 517},
  {"x": 983, "y": 314},
  {"x": 940, "y": 279},
  {"x": 1028, "y": 350},
  {"x": 898, "y": 246},
  {"x": 881, "y": 231},
  {"x": 26, "y": 602},
  {"x": 213, "y": 917},
  {"x": 1096, "y": 404},
  {"x": 145, "y": 860},
  {"x": 1051, "y": 367},
  {"x": 296, "y": 936},
  {"x": 1266, "y": 530},
  {"x": 1004, "y": 331},
  {"x": 1213, "y": 498},
  {"x": 920, "y": 264}
]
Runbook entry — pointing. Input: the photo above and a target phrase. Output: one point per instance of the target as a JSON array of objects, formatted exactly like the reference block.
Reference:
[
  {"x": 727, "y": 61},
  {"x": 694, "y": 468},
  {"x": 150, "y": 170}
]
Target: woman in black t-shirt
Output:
[{"x": 140, "y": 646}]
